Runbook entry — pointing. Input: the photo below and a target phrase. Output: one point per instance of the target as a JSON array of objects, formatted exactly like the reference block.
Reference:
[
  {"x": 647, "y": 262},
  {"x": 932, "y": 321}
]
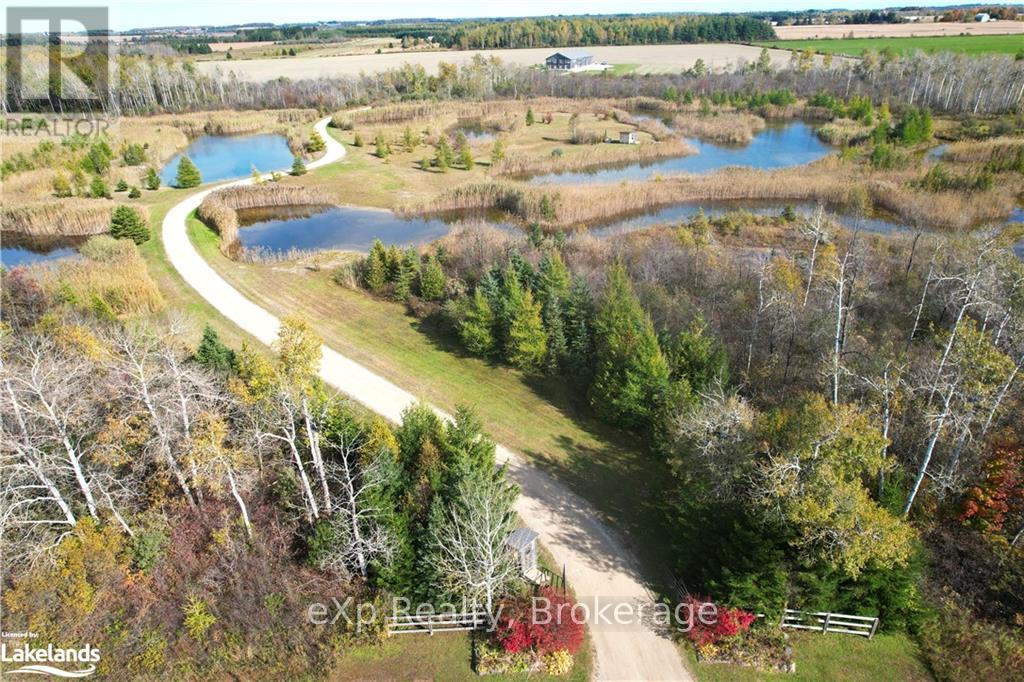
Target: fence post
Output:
[
  {"x": 563, "y": 578},
  {"x": 828, "y": 617},
  {"x": 874, "y": 626}
]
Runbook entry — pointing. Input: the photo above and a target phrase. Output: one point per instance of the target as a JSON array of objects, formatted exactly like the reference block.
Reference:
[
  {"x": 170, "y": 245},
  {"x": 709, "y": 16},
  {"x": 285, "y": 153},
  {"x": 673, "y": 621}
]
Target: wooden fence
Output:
[
  {"x": 438, "y": 622},
  {"x": 825, "y": 621}
]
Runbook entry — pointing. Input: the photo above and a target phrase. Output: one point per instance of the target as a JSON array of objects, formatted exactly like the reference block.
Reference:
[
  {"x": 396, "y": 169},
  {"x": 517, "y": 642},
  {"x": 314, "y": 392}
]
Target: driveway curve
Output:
[{"x": 598, "y": 565}]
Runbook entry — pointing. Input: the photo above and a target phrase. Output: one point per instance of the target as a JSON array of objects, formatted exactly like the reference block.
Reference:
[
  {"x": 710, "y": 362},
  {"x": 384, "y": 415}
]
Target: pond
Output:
[
  {"x": 225, "y": 157},
  {"x": 474, "y": 130},
  {"x": 18, "y": 249},
  {"x": 281, "y": 229},
  {"x": 777, "y": 146}
]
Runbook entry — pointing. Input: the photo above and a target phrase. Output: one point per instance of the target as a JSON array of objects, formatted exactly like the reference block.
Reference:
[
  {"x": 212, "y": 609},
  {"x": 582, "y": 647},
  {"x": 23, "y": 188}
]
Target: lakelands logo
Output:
[{"x": 80, "y": 662}]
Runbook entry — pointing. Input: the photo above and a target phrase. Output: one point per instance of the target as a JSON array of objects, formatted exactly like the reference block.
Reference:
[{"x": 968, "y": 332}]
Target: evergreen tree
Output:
[
  {"x": 122, "y": 185},
  {"x": 497, "y": 151},
  {"x": 188, "y": 175},
  {"x": 466, "y": 158},
  {"x": 298, "y": 166},
  {"x": 554, "y": 277},
  {"x": 126, "y": 223},
  {"x": 578, "y": 313},
  {"x": 697, "y": 357},
  {"x": 375, "y": 269},
  {"x": 408, "y": 270},
  {"x": 212, "y": 353},
  {"x": 530, "y": 120},
  {"x": 477, "y": 325},
  {"x": 134, "y": 192},
  {"x": 409, "y": 139},
  {"x": 316, "y": 143},
  {"x": 631, "y": 376},
  {"x": 98, "y": 188},
  {"x": 152, "y": 179},
  {"x": 526, "y": 344},
  {"x": 380, "y": 143},
  {"x": 393, "y": 261},
  {"x": 431, "y": 279},
  {"x": 443, "y": 154},
  {"x": 554, "y": 325}
]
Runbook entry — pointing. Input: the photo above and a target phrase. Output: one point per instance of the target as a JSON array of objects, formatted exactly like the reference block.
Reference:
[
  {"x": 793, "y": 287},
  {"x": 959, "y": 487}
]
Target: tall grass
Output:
[
  {"x": 220, "y": 209},
  {"x": 729, "y": 128},
  {"x": 982, "y": 151},
  {"x": 111, "y": 279},
  {"x": 520, "y": 163},
  {"x": 67, "y": 217},
  {"x": 843, "y": 131}
]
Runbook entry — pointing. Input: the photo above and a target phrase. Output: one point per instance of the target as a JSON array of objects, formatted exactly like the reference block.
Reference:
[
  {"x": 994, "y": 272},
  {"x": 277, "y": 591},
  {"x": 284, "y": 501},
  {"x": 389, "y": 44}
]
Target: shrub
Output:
[
  {"x": 557, "y": 663},
  {"x": 134, "y": 193},
  {"x": 198, "y": 618},
  {"x": 152, "y": 179},
  {"x": 126, "y": 223},
  {"x": 316, "y": 143},
  {"x": 518, "y": 631},
  {"x": 133, "y": 154},
  {"x": 494, "y": 661},
  {"x": 146, "y": 547},
  {"x": 61, "y": 186},
  {"x": 727, "y": 623},
  {"x": 98, "y": 188},
  {"x": 122, "y": 185}
]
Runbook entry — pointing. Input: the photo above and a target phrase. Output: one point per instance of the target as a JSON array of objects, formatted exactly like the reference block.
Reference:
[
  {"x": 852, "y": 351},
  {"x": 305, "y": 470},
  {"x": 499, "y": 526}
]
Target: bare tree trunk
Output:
[
  {"x": 241, "y": 502},
  {"x": 930, "y": 450},
  {"x": 313, "y": 435}
]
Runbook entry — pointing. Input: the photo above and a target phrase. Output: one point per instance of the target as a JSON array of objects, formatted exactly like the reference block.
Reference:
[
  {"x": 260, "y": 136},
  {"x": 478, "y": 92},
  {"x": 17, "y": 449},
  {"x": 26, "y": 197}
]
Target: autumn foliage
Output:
[
  {"x": 709, "y": 629},
  {"x": 555, "y": 630},
  {"x": 990, "y": 502}
]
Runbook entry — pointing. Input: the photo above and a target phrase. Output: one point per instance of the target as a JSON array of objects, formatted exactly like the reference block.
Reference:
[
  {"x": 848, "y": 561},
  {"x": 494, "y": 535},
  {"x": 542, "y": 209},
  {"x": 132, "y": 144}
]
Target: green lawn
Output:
[
  {"x": 445, "y": 657},
  {"x": 841, "y": 658},
  {"x": 974, "y": 45}
]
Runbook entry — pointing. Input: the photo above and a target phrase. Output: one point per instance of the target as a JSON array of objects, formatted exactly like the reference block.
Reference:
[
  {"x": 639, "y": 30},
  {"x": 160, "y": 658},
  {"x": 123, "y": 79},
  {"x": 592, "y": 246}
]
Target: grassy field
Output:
[
  {"x": 973, "y": 45},
  {"x": 842, "y": 658}
]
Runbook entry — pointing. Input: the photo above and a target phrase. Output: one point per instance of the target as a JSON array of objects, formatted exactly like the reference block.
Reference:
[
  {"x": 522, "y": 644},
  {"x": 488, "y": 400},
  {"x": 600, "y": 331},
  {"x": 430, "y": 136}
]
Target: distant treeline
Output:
[{"x": 609, "y": 30}]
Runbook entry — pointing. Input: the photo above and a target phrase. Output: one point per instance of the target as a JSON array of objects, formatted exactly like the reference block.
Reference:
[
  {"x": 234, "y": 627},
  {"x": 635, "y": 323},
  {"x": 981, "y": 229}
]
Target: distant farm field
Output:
[
  {"x": 919, "y": 29},
  {"x": 971, "y": 44},
  {"x": 639, "y": 58}
]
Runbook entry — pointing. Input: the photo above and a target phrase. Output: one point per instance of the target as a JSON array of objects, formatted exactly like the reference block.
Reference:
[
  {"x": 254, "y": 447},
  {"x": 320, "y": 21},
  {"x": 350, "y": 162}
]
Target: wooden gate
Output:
[{"x": 438, "y": 622}]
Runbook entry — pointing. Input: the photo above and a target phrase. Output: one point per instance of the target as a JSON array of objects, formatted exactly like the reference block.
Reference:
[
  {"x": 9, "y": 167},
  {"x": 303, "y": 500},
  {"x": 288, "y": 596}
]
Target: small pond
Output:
[
  {"x": 18, "y": 249},
  {"x": 777, "y": 146},
  {"x": 474, "y": 130},
  {"x": 337, "y": 227},
  {"x": 224, "y": 157}
]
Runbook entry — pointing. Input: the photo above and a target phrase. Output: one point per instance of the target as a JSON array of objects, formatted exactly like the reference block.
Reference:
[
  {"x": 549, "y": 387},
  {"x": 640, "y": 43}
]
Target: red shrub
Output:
[
  {"x": 708, "y": 626},
  {"x": 554, "y": 630}
]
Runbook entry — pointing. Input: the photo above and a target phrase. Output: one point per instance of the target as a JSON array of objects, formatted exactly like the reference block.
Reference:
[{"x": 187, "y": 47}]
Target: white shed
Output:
[
  {"x": 523, "y": 541},
  {"x": 628, "y": 137}
]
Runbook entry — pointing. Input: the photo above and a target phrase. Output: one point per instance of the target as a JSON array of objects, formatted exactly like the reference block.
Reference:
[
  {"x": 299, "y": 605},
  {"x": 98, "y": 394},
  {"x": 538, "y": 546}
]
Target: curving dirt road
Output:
[{"x": 600, "y": 569}]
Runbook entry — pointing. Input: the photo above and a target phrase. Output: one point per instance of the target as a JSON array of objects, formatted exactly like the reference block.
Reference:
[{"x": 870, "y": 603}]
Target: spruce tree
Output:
[
  {"x": 497, "y": 151},
  {"x": 212, "y": 353},
  {"x": 126, "y": 223},
  {"x": 554, "y": 325},
  {"x": 631, "y": 377},
  {"x": 578, "y": 314},
  {"x": 554, "y": 277},
  {"x": 375, "y": 269},
  {"x": 526, "y": 345},
  {"x": 98, "y": 188},
  {"x": 476, "y": 330},
  {"x": 152, "y": 179},
  {"x": 298, "y": 166},
  {"x": 466, "y": 158},
  {"x": 431, "y": 279},
  {"x": 408, "y": 271},
  {"x": 122, "y": 185},
  {"x": 188, "y": 175},
  {"x": 529, "y": 117},
  {"x": 134, "y": 192}
]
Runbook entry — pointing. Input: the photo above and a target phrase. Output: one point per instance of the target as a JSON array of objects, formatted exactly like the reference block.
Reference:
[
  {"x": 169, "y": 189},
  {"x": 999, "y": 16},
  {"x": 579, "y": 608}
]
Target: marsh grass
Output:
[
  {"x": 68, "y": 217},
  {"x": 220, "y": 209},
  {"x": 728, "y": 128},
  {"x": 593, "y": 156}
]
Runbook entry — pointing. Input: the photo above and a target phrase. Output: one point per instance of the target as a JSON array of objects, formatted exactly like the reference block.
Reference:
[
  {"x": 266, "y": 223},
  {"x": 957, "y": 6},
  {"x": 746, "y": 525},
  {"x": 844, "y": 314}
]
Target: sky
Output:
[{"x": 127, "y": 14}]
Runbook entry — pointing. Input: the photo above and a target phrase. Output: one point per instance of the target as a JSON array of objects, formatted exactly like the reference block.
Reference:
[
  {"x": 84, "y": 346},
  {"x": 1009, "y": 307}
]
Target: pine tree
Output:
[
  {"x": 134, "y": 192},
  {"x": 578, "y": 313},
  {"x": 554, "y": 325},
  {"x": 375, "y": 269},
  {"x": 152, "y": 179},
  {"x": 122, "y": 185},
  {"x": 188, "y": 175},
  {"x": 383, "y": 149},
  {"x": 631, "y": 377},
  {"x": 530, "y": 120},
  {"x": 466, "y": 158},
  {"x": 431, "y": 279},
  {"x": 443, "y": 156},
  {"x": 554, "y": 277},
  {"x": 126, "y": 223},
  {"x": 409, "y": 139},
  {"x": 526, "y": 345},
  {"x": 477, "y": 325},
  {"x": 212, "y": 353},
  {"x": 298, "y": 166}
]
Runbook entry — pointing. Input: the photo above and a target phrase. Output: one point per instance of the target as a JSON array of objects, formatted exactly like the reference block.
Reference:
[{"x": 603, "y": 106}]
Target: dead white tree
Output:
[
  {"x": 468, "y": 544},
  {"x": 361, "y": 536}
]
